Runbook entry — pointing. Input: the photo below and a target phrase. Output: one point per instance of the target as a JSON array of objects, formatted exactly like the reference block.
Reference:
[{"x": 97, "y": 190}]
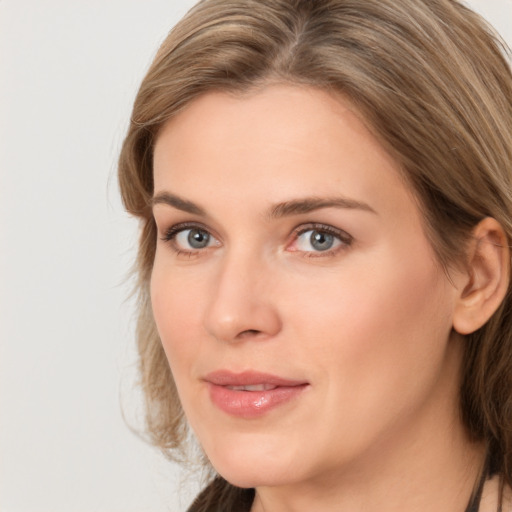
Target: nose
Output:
[{"x": 242, "y": 305}]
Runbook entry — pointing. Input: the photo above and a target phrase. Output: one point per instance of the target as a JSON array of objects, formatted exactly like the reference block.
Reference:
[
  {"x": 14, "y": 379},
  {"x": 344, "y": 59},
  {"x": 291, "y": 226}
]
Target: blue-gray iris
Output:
[
  {"x": 321, "y": 241},
  {"x": 198, "y": 239}
]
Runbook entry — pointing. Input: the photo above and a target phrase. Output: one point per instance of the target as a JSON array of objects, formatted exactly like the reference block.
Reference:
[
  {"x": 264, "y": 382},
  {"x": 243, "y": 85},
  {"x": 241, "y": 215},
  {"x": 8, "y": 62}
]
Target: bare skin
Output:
[
  {"x": 489, "y": 502},
  {"x": 289, "y": 245}
]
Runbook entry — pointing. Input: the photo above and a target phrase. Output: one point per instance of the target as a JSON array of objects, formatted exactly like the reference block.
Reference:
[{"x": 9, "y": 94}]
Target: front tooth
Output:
[
  {"x": 252, "y": 387},
  {"x": 257, "y": 387}
]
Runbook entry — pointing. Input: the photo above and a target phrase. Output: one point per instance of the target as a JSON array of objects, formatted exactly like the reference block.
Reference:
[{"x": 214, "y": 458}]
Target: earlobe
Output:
[{"x": 488, "y": 275}]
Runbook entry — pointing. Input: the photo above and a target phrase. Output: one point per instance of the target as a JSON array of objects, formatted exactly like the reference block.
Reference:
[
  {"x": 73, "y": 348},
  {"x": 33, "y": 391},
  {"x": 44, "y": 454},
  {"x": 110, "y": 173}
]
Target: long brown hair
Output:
[{"x": 432, "y": 82}]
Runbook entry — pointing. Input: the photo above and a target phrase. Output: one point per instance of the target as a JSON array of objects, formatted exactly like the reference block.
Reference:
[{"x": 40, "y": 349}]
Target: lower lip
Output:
[{"x": 252, "y": 404}]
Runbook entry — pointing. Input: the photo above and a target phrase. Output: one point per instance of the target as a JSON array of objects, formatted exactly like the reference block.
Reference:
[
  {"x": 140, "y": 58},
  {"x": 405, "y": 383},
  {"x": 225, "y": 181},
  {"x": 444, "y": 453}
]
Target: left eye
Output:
[{"x": 317, "y": 240}]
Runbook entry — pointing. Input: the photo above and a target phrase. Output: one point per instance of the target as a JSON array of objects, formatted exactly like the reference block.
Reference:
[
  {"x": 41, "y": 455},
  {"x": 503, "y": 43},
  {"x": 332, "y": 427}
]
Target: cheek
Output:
[
  {"x": 176, "y": 305},
  {"x": 377, "y": 328},
  {"x": 374, "y": 342}
]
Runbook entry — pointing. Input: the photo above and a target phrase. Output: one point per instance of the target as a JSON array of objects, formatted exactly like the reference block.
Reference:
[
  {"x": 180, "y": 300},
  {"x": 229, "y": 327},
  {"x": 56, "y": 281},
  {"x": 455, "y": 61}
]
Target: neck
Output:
[{"x": 427, "y": 464}]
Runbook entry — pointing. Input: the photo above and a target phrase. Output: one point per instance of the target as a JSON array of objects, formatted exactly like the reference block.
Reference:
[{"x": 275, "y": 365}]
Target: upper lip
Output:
[{"x": 249, "y": 378}]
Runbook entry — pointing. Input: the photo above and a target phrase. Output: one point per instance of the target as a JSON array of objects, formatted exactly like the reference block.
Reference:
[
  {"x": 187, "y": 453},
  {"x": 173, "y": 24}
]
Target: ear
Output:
[{"x": 486, "y": 278}]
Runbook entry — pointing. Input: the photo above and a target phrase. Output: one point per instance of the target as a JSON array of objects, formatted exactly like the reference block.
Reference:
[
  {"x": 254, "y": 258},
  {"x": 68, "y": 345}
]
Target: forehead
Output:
[{"x": 281, "y": 140}]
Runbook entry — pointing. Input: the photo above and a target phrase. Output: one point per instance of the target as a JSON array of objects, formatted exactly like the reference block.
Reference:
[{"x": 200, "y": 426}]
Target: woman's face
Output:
[{"x": 300, "y": 305}]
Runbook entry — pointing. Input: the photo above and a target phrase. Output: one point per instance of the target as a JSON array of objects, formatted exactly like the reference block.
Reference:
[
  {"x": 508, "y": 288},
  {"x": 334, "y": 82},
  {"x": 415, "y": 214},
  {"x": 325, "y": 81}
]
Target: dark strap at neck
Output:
[
  {"x": 220, "y": 496},
  {"x": 474, "y": 502}
]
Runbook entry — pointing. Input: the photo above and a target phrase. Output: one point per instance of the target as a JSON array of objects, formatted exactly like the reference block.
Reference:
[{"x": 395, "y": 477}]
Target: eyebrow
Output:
[
  {"x": 279, "y": 210},
  {"x": 309, "y": 204},
  {"x": 177, "y": 202}
]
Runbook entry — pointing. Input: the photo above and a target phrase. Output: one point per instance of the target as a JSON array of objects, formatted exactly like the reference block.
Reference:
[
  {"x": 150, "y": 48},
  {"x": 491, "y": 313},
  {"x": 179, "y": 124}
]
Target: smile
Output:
[{"x": 251, "y": 394}]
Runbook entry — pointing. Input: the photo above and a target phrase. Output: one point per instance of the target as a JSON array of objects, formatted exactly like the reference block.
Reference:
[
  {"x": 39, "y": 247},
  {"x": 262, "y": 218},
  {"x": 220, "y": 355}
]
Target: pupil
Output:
[
  {"x": 198, "y": 239},
  {"x": 321, "y": 241}
]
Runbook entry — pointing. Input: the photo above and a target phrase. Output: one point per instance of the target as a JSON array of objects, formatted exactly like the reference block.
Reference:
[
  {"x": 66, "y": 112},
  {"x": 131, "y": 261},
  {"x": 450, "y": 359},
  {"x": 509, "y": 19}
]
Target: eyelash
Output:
[
  {"x": 171, "y": 234},
  {"x": 342, "y": 236}
]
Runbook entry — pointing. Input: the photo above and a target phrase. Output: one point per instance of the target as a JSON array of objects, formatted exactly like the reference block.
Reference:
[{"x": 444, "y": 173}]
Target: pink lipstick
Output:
[{"x": 251, "y": 394}]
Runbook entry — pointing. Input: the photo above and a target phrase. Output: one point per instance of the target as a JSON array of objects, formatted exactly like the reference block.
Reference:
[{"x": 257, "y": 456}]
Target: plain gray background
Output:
[{"x": 68, "y": 75}]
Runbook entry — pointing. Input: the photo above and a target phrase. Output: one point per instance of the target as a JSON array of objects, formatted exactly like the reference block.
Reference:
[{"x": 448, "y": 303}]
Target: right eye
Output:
[
  {"x": 193, "y": 238},
  {"x": 190, "y": 239}
]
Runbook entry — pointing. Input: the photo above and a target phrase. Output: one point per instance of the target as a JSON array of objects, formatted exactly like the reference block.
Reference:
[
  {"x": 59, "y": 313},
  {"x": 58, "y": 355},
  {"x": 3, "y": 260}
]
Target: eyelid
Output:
[
  {"x": 182, "y": 226},
  {"x": 327, "y": 228}
]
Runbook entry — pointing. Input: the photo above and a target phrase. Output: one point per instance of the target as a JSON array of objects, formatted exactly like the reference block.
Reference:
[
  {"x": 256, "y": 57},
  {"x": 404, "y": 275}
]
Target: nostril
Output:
[{"x": 248, "y": 332}]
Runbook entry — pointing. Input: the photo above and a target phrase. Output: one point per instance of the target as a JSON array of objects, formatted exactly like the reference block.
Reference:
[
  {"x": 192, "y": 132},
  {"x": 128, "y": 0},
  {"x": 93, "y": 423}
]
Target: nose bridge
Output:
[{"x": 242, "y": 305}]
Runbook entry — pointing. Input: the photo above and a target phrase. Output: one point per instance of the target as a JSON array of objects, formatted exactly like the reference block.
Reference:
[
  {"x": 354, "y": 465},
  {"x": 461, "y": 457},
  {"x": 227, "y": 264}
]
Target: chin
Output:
[
  {"x": 259, "y": 464},
  {"x": 246, "y": 477}
]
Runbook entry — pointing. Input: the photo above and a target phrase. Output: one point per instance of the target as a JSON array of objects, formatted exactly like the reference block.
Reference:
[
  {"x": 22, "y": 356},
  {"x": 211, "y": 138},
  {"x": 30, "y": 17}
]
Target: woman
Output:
[{"x": 324, "y": 267}]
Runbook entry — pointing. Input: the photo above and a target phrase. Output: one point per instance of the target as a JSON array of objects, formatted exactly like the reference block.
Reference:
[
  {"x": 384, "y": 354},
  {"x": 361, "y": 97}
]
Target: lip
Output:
[{"x": 271, "y": 392}]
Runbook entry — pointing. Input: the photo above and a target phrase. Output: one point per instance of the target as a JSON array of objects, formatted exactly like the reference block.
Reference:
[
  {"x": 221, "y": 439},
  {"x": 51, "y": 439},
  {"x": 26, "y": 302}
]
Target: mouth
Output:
[{"x": 251, "y": 394}]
